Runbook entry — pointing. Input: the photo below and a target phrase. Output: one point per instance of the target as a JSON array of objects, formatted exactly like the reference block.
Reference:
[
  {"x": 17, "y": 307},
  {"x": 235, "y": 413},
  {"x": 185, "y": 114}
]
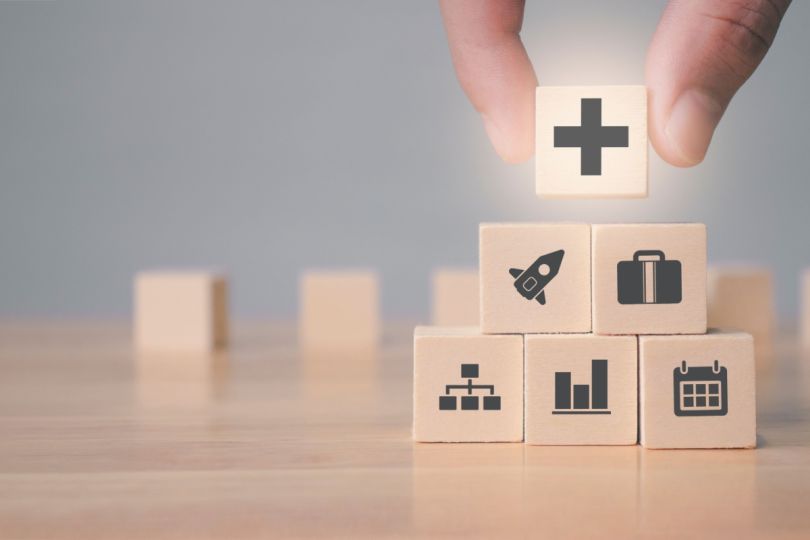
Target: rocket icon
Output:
[{"x": 530, "y": 283}]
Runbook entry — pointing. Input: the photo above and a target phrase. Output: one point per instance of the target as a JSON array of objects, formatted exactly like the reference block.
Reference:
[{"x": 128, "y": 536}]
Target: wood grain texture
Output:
[{"x": 261, "y": 446}]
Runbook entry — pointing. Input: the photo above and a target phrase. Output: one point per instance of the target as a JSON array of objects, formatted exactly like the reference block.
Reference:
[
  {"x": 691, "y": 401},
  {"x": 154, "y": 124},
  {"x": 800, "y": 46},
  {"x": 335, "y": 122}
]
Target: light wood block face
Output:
[
  {"x": 456, "y": 297},
  {"x": 180, "y": 311},
  {"x": 709, "y": 404},
  {"x": 649, "y": 278},
  {"x": 581, "y": 389},
  {"x": 339, "y": 308},
  {"x": 741, "y": 298},
  {"x": 591, "y": 141},
  {"x": 535, "y": 278},
  {"x": 805, "y": 309},
  {"x": 468, "y": 387}
]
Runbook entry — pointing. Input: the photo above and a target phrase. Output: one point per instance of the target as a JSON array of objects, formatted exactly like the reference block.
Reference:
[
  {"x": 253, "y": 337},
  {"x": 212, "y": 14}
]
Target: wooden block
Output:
[
  {"x": 456, "y": 297},
  {"x": 581, "y": 389},
  {"x": 697, "y": 391},
  {"x": 591, "y": 141},
  {"x": 741, "y": 298},
  {"x": 180, "y": 311},
  {"x": 805, "y": 309},
  {"x": 535, "y": 278},
  {"x": 339, "y": 308},
  {"x": 468, "y": 387},
  {"x": 649, "y": 278}
]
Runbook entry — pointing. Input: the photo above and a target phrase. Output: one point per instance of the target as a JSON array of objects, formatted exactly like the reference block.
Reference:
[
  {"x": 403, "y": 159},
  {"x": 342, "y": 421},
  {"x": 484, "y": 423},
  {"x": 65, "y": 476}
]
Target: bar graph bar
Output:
[
  {"x": 599, "y": 391},
  {"x": 562, "y": 390},
  {"x": 587, "y": 398},
  {"x": 582, "y": 396}
]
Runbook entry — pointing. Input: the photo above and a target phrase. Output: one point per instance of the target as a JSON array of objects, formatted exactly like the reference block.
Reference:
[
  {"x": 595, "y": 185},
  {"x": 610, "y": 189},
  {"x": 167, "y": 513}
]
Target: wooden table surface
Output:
[{"x": 266, "y": 440}]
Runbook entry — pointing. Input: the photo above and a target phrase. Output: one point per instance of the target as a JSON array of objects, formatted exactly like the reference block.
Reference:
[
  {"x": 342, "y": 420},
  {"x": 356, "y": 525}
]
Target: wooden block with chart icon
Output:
[
  {"x": 535, "y": 278},
  {"x": 339, "y": 308},
  {"x": 697, "y": 391},
  {"x": 180, "y": 311},
  {"x": 581, "y": 389},
  {"x": 456, "y": 297},
  {"x": 741, "y": 298},
  {"x": 467, "y": 387},
  {"x": 649, "y": 278},
  {"x": 591, "y": 141}
]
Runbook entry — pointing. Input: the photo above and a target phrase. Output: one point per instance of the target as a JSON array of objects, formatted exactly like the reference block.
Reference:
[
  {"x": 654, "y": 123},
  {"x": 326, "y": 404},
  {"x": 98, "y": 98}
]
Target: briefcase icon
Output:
[{"x": 649, "y": 279}]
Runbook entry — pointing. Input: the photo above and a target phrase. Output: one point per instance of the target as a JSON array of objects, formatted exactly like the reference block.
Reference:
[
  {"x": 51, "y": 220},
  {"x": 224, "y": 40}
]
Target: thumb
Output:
[{"x": 701, "y": 54}]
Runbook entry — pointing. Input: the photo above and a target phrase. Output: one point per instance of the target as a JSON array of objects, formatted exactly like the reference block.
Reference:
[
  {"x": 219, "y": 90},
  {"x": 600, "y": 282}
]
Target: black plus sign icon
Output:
[{"x": 590, "y": 137}]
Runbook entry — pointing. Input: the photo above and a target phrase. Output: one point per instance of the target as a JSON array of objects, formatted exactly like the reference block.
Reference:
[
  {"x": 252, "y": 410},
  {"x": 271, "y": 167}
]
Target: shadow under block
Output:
[
  {"x": 742, "y": 298},
  {"x": 707, "y": 405},
  {"x": 649, "y": 278},
  {"x": 339, "y": 308},
  {"x": 581, "y": 389},
  {"x": 456, "y": 297},
  {"x": 591, "y": 141},
  {"x": 467, "y": 387},
  {"x": 535, "y": 278},
  {"x": 180, "y": 311}
]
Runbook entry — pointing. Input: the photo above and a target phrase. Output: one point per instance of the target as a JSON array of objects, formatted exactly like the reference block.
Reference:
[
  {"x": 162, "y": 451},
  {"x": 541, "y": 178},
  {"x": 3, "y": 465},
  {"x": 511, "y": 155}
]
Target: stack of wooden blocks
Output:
[{"x": 589, "y": 334}]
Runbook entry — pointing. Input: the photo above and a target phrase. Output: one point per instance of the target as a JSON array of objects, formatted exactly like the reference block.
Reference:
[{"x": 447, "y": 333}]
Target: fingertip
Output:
[
  {"x": 513, "y": 144},
  {"x": 682, "y": 133}
]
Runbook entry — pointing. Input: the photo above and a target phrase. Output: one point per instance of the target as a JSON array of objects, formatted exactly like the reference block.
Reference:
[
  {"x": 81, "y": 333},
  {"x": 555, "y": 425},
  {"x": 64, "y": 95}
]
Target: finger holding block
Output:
[
  {"x": 649, "y": 278},
  {"x": 339, "y": 308},
  {"x": 468, "y": 387},
  {"x": 697, "y": 391},
  {"x": 455, "y": 297},
  {"x": 581, "y": 389},
  {"x": 180, "y": 311},
  {"x": 741, "y": 298}
]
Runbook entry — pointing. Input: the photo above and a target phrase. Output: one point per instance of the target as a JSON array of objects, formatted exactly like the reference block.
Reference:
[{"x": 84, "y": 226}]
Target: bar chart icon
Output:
[{"x": 582, "y": 398}]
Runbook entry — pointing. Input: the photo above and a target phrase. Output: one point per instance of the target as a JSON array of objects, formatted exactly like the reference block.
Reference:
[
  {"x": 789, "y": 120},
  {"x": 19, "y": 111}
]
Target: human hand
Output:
[{"x": 702, "y": 52}]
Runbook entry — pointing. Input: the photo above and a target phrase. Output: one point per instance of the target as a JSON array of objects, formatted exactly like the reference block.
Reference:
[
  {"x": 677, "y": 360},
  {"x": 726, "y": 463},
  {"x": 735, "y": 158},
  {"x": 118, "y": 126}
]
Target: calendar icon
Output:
[{"x": 701, "y": 390}]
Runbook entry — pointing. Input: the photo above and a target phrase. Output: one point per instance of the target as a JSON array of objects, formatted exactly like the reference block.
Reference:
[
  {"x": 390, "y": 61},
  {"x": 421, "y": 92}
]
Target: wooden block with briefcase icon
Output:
[{"x": 649, "y": 278}]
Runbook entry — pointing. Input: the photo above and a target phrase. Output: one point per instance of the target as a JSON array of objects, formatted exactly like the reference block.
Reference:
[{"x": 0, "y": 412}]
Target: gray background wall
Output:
[{"x": 265, "y": 137}]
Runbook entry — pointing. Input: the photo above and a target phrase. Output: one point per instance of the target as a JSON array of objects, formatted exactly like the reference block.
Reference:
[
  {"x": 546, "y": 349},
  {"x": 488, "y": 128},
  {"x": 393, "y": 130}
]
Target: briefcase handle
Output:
[{"x": 649, "y": 253}]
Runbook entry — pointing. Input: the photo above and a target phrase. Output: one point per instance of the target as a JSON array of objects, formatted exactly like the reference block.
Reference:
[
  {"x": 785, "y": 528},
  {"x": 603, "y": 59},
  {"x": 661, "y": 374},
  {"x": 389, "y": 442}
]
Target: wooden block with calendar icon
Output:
[{"x": 697, "y": 391}]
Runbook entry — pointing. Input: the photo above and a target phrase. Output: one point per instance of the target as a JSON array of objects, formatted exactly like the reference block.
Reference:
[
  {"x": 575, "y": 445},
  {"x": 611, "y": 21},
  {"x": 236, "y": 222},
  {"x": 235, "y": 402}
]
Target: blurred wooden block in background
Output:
[
  {"x": 805, "y": 308},
  {"x": 697, "y": 391},
  {"x": 456, "y": 297},
  {"x": 180, "y": 311},
  {"x": 467, "y": 387},
  {"x": 339, "y": 308},
  {"x": 741, "y": 298}
]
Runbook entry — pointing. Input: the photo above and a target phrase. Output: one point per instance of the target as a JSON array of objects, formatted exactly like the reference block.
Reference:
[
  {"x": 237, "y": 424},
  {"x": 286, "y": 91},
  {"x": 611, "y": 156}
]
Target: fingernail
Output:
[{"x": 691, "y": 125}]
